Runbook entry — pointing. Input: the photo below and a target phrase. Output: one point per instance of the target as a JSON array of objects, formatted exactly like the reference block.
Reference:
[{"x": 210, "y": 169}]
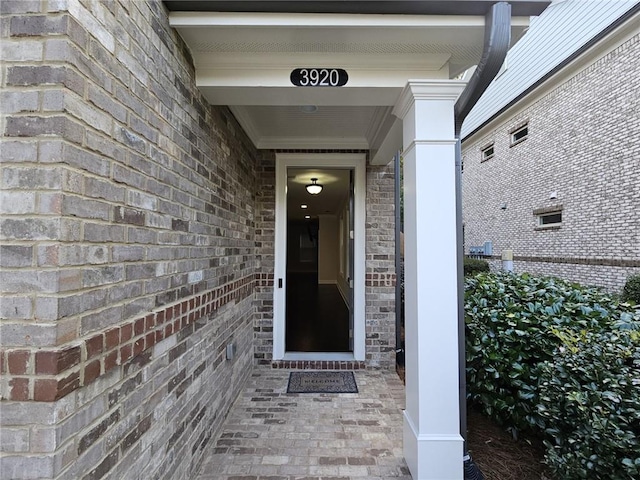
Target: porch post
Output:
[{"x": 433, "y": 446}]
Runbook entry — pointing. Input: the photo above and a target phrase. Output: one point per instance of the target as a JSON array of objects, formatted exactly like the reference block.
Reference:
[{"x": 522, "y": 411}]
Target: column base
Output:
[{"x": 432, "y": 457}]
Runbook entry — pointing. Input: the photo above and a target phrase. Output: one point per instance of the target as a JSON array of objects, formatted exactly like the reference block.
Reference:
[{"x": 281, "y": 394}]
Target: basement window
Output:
[
  {"x": 548, "y": 218},
  {"x": 487, "y": 153},
  {"x": 520, "y": 134}
]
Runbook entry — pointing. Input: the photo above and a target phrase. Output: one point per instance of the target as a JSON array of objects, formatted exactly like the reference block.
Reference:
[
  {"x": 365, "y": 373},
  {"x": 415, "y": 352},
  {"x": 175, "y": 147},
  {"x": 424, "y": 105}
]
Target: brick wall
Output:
[
  {"x": 128, "y": 246},
  {"x": 584, "y": 149},
  {"x": 137, "y": 227},
  {"x": 380, "y": 268},
  {"x": 380, "y": 288},
  {"x": 609, "y": 277},
  {"x": 265, "y": 249}
]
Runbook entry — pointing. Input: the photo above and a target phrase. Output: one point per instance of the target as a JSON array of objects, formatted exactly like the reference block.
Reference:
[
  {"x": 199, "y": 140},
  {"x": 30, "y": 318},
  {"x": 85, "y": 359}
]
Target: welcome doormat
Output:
[{"x": 322, "y": 382}]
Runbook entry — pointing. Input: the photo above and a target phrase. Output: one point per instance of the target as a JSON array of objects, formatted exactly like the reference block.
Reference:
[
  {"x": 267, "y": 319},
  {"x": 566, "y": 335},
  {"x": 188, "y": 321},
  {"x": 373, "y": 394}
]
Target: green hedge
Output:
[
  {"x": 560, "y": 360},
  {"x": 474, "y": 265},
  {"x": 591, "y": 407},
  {"x": 631, "y": 290}
]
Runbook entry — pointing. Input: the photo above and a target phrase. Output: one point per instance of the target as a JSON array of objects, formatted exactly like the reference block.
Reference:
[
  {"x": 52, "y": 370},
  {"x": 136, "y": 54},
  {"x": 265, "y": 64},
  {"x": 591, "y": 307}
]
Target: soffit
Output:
[
  {"x": 436, "y": 40},
  {"x": 343, "y": 127},
  {"x": 244, "y": 60}
]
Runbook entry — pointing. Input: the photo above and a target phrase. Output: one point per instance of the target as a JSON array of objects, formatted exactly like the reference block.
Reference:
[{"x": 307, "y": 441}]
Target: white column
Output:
[{"x": 433, "y": 445}]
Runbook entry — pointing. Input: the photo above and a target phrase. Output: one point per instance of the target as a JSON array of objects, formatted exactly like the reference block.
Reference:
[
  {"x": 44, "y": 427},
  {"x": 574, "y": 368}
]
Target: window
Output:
[
  {"x": 487, "y": 152},
  {"x": 548, "y": 217},
  {"x": 520, "y": 134}
]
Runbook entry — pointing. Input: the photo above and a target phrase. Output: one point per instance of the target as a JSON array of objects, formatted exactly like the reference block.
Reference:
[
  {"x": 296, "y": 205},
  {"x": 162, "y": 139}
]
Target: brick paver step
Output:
[{"x": 272, "y": 435}]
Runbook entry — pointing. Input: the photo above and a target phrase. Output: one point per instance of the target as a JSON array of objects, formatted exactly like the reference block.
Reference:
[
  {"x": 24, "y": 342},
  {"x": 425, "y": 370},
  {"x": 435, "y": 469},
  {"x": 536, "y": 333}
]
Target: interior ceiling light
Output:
[
  {"x": 314, "y": 188},
  {"x": 304, "y": 206},
  {"x": 309, "y": 108},
  {"x": 307, "y": 217}
]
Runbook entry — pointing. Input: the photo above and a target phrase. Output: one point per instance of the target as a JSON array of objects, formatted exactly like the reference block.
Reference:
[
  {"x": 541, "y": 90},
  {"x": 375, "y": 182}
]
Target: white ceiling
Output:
[
  {"x": 244, "y": 60},
  {"x": 275, "y": 126}
]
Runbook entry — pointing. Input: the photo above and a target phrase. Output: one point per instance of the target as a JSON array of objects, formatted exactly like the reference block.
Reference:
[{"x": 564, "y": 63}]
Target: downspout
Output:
[
  {"x": 399, "y": 264},
  {"x": 497, "y": 38}
]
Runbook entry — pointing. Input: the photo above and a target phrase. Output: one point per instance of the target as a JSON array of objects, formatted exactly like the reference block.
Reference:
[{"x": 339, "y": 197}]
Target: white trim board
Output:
[{"x": 357, "y": 162}]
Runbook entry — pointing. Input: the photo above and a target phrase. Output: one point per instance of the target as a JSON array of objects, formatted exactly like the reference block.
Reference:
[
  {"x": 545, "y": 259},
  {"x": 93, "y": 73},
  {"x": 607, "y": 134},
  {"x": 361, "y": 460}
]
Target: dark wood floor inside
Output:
[{"x": 317, "y": 316}]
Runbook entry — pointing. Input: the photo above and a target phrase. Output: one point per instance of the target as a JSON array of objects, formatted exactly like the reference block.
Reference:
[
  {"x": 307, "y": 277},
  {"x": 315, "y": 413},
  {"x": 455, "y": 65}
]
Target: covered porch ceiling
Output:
[{"x": 245, "y": 51}]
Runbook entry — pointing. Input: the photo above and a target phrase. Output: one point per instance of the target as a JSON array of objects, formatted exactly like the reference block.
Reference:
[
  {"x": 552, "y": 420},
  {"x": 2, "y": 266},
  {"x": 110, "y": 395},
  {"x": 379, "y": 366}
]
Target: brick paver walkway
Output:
[{"x": 272, "y": 435}]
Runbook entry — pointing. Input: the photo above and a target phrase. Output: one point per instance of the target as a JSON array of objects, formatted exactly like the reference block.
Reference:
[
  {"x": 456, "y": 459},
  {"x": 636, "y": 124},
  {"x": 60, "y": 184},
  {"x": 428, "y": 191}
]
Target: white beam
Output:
[
  {"x": 354, "y": 61},
  {"x": 237, "y": 79},
  {"x": 314, "y": 20},
  {"x": 433, "y": 445},
  {"x": 311, "y": 143},
  {"x": 390, "y": 145},
  {"x": 293, "y": 96}
]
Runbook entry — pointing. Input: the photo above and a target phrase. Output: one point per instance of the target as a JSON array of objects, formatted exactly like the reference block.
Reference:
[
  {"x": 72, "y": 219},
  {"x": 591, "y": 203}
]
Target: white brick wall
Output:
[{"x": 584, "y": 147}]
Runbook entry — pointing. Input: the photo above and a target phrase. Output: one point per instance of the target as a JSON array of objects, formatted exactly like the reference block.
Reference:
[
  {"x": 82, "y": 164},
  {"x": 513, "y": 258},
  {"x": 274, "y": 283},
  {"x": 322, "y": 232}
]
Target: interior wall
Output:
[
  {"x": 328, "y": 249},
  {"x": 302, "y": 235}
]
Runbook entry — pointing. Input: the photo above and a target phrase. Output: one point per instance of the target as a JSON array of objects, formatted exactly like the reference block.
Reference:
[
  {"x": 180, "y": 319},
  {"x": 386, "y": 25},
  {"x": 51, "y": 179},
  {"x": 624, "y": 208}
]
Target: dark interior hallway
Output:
[{"x": 317, "y": 316}]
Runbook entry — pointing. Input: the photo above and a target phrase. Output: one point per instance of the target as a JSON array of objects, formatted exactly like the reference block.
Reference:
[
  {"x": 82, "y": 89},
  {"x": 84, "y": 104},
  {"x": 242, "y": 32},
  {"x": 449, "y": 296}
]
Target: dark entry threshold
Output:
[{"x": 317, "y": 316}]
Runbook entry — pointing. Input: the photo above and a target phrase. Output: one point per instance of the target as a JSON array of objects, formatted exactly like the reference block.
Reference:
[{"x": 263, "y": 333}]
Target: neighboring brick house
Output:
[
  {"x": 144, "y": 168},
  {"x": 564, "y": 195}
]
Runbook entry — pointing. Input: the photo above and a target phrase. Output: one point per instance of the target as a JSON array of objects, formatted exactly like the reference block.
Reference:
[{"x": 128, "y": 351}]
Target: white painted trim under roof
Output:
[
  {"x": 244, "y": 59},
  {"x": 269, "y": 19},
  {"x": 398, "y": 7}
]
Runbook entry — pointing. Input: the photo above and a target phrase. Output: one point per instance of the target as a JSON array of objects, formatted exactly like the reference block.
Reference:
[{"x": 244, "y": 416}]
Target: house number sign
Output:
[{"x": 319, "y": 77}]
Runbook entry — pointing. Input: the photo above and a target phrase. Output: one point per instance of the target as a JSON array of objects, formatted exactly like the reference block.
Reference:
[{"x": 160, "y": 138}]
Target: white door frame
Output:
[{"x": 357, "y": 162}]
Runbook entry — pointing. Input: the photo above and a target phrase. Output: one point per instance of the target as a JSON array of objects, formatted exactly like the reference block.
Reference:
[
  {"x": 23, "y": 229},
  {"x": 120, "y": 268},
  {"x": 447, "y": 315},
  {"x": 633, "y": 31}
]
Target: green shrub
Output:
[
  {"x": 631, "y": 290},
  {"x": 474, "y": 265},
  {"x": 562, "y": 361},
  {"x": 509, "y": 318},
  {"x": 590, "y": 405}
]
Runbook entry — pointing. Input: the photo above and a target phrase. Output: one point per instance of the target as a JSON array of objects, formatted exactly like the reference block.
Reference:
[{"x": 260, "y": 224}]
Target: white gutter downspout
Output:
[{"x": 497, "y": 39}]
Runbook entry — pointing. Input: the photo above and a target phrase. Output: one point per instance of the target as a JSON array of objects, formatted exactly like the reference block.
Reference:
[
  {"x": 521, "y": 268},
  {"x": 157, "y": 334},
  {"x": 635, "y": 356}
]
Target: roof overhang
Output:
[
  {"x": 526, "y": 85},
  {"x": 398, "y": 7},
  {"x": 244, "y": 52}
]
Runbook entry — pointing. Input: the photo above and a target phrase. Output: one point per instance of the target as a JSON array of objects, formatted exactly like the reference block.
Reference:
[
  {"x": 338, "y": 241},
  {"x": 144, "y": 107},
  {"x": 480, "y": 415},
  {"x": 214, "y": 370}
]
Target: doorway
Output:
[
  {"x": 319, "y": 305},
  {"x": 319, "y": 257}
]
